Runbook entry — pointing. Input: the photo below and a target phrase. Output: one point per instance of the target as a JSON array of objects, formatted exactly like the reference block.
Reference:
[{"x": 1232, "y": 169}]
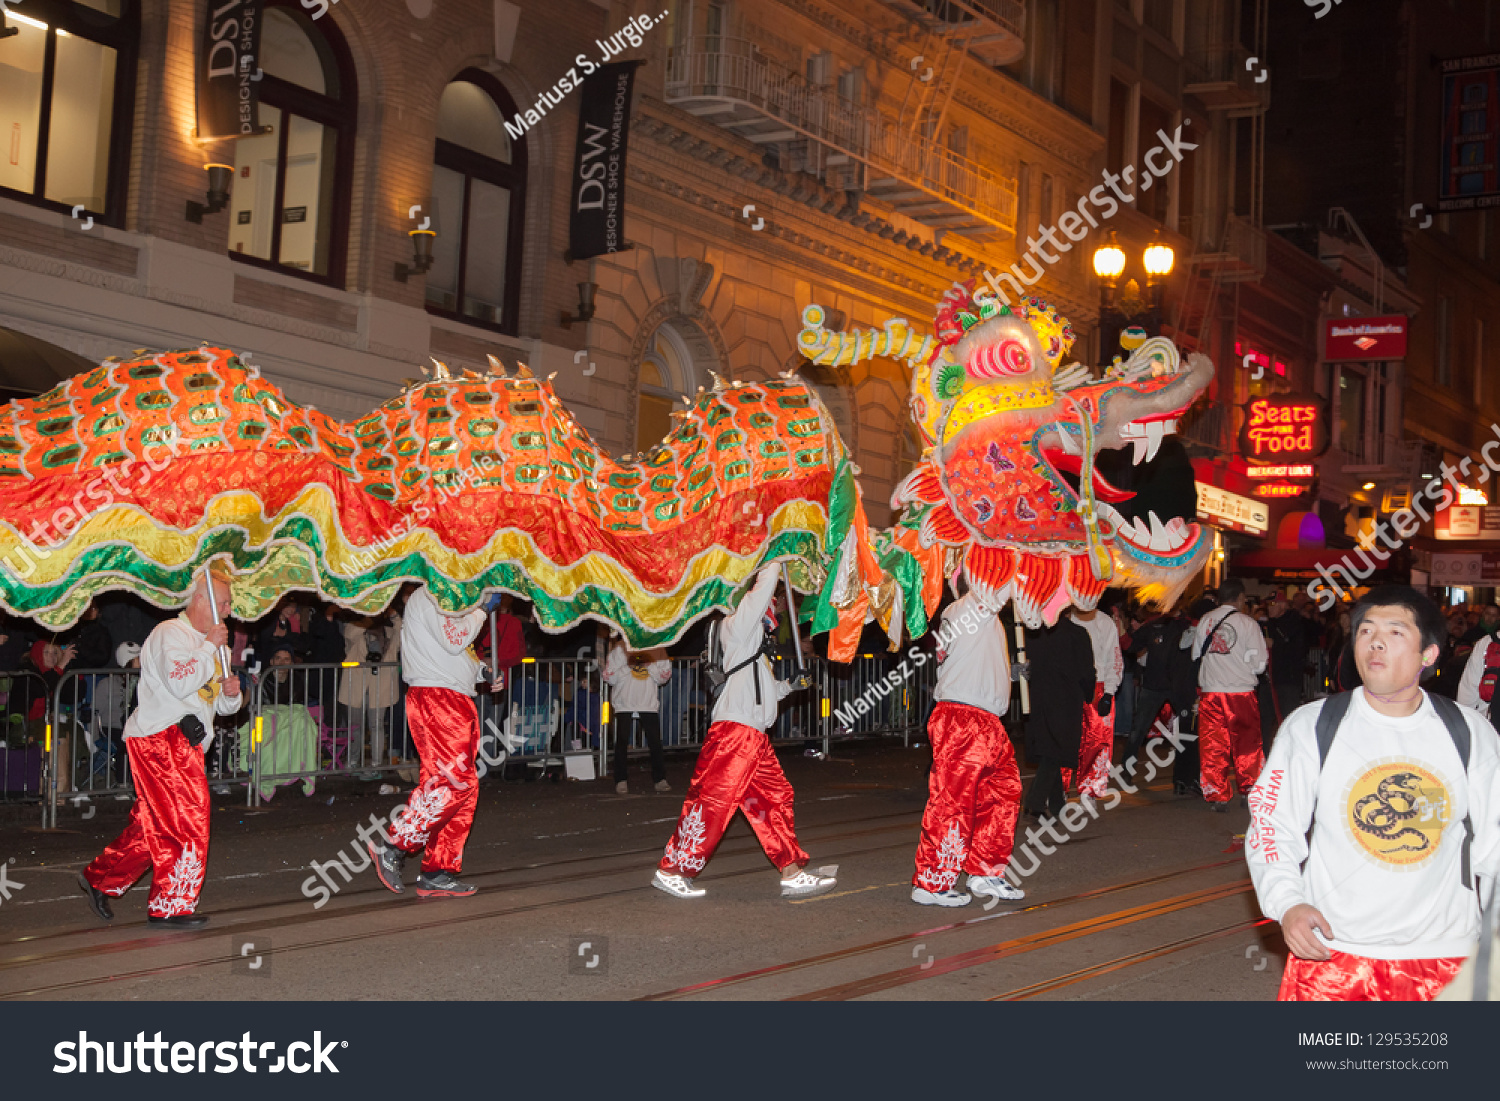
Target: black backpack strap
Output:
[
  {"x": 1458, "y": 729},
  {"x": 1330, "y": 715}
]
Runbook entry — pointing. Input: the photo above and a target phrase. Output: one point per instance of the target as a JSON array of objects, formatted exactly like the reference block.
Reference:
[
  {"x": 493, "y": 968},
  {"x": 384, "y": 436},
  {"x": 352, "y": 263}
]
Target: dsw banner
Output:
[
  {"x": 228, "y": 92},
  {"x": 598, "y": 210}
]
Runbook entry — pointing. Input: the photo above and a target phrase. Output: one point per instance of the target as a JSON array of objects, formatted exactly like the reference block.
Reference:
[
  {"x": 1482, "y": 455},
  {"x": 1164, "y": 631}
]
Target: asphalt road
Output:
[{"x": 1149, "y": 902}]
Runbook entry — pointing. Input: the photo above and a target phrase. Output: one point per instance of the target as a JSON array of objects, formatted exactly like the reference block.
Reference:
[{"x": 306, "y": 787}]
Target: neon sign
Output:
[{"x": 1284, "y": 428}]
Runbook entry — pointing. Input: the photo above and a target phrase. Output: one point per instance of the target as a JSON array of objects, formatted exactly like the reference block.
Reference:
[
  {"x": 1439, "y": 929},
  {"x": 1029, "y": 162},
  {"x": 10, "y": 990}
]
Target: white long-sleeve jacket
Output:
[
  {"x": 1109, "y": 662},
  {"x": 1384, "y": 866},
  {"x": 740, "y": 636},
  {"x": 1235, "y": 657},
  {"x": 634, "y": 689},
  {"x": 435, "y": 646},
  {"x": 178, "y": 675},
  {"x": 975, "y": 666}
]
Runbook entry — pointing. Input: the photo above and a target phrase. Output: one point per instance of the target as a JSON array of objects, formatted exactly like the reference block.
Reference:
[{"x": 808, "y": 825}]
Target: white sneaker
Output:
[
  {"x": 995, "y": 886},
  {"x": 662, "y": 785},
  {"x": 678, "y": 885},
  {"x": 806, "y": 884},
  {"x": 1087, "y": 802},
  {"x": 622, "y": 788},
  {"x": 950, "y": 897}
]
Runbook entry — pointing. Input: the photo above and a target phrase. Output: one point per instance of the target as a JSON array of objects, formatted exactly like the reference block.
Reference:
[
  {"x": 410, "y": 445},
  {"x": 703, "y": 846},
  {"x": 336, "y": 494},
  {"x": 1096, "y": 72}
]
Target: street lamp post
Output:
[{"x": 1109, "y": 266}]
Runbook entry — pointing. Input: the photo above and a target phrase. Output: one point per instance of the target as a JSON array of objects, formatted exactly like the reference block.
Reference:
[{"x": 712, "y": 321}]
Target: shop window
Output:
[
  {"x": 283, "y": 212},
  {"x": 67, "y": 74},
  {"x": 478, "y": 193}
]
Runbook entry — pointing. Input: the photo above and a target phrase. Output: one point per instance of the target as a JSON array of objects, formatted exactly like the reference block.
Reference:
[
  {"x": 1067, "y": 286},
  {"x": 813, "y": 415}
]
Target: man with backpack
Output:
[
  {"x": 737, "y": 768},
  {"x": 1231, "y": 653},
  {"x": 1403, "y": 789}
]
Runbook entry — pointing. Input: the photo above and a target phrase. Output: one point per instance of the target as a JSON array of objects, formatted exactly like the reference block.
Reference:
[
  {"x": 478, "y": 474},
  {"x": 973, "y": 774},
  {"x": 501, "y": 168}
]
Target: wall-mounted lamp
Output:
[
  {"x": 585, "y": 305},
  {"x": 421, "y": 251},
  {"x": 219, "y": 176}
]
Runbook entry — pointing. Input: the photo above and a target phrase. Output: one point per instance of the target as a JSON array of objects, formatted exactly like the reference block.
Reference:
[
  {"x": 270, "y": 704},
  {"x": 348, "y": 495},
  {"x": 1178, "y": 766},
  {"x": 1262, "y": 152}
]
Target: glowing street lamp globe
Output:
[
  {"x": 1158, "y": 260},
  {"x": 1109, "y": 261}
]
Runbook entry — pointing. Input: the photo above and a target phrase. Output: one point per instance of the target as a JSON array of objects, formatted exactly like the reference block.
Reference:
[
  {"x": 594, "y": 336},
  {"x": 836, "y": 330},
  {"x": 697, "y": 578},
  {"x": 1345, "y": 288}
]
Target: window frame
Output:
[
  {"x": 341, "y": 117},
  {"x": 512, "y": 177},
  {"x": 123, "y": 36}
]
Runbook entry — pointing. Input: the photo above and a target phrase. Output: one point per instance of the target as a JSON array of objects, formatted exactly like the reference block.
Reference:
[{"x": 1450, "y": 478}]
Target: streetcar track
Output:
[
  {"x": 354, "y": 937},
  {"x": 348, "y": 892},
  {"x": 874, "y": 984},
  {"x": 1144, "y": 956},
  {"x": 905, "y": 938}
]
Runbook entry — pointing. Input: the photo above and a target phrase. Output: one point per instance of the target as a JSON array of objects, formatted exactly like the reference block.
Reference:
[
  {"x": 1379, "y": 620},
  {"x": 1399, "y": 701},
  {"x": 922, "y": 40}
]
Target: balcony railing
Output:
[
  {"x": 995, "y": 30},
  {"x": 1206, "y": 424},
  {"x": 729, "y": 81},
  {"x": 1235, "y": 247},
  {"x": 1218, "y": 75}
]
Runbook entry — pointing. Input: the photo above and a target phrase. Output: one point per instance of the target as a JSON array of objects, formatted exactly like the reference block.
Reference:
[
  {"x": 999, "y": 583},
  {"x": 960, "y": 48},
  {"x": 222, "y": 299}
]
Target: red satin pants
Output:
[
  {"x": 445, "y": 729},
  {"x": 1094, "y": 746},
  {"x": 1346, "y": 978},
  {"x": 168, "y": 830},
  {"x": 1228, "y": 742},
  {"x": 973, "y": 797},
  {"x": 737, "y": 770}
]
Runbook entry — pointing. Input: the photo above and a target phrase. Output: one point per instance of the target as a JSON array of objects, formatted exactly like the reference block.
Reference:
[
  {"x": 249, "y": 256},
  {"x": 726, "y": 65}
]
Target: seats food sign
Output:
[{"x": 1285, "y": 428}]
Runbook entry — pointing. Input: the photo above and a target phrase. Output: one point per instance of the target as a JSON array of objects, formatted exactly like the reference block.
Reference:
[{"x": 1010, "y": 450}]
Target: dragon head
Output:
[{"x": 1010, "y": 473}]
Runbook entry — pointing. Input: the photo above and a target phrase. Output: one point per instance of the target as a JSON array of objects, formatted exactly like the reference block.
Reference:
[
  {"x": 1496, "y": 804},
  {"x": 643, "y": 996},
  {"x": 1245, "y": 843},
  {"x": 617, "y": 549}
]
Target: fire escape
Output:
[
  {"x": 854, "y": 146},
  {"x": 1229, "y": 248}
]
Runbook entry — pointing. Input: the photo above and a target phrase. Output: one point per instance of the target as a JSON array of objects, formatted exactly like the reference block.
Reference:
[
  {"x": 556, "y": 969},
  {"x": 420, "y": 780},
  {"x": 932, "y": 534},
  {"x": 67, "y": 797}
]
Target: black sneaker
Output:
[
  {"x": 179, "y": 921},
  {"x": 442, "y": 885},
  {"x": 388, "y": 862},
  {"x": 97, "y": 898},
  {"x": 1220, "y": 808}
]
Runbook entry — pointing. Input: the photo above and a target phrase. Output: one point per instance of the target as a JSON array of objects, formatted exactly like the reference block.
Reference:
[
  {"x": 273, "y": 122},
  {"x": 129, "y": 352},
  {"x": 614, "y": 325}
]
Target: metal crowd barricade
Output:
[
  {"x": 551, "y": 708},
  {"x": 23, "y": 740}
]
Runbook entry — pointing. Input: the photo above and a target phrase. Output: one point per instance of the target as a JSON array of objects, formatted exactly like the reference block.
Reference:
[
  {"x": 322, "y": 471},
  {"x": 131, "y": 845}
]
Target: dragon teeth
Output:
[
  {"x": 1141, "y": 447},
  {"x": 1154, "y": 432}
]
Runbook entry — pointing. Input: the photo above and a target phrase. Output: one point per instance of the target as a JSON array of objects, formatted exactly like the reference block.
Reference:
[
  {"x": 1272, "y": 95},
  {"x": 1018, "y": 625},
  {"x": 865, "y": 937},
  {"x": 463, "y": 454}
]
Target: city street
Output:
[{"x": 1149, "y": 902}]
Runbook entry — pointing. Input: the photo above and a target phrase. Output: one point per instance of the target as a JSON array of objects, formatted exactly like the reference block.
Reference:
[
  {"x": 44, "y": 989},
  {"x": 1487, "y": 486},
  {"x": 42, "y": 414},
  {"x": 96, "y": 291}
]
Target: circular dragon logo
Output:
[{"x": 1397, "y": 812}]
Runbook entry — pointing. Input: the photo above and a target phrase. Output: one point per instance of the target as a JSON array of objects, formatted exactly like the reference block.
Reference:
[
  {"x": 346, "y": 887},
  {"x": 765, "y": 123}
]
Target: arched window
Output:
[
  {"x": 283, "y": 212},
  {"x": 478, "y": 206},
  {"x": 666, "y": 373},
  {"x": 67, "y": 74}
]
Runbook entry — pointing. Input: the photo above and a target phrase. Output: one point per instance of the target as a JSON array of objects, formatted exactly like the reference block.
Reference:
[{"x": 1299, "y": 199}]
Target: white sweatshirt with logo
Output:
[
  {"x": 1468, "y": 684},
  {"x": 1109, "y": 662},
  {"x": 637, "y": 688},
  {"x": 178, "y": 678},
  {"x": 1384, "y": 867},
  {"x": 740, "y": 635},
  {"x": 435, "y": 646},
  {"x": 1233, "y": 649},
  {"x": 974, "y": 666}
]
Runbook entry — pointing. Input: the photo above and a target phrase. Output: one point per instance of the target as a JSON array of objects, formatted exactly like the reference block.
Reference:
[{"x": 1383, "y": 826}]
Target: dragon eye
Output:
[{"x": 1009, "y": 357}]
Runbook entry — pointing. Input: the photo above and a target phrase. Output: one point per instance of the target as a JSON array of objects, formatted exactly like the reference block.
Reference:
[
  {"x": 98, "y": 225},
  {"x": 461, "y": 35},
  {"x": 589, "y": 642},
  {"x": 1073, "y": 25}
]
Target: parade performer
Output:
[
  {"x": 440, "y": 673},
  {"x": 167, "y": 738},
  {"x": 737, "y": 768},
  {"x": 974, "y": 791},
  {"x": 635, "y": 682},
  {"x": 1098, "y": 727},
  {"x": 1233, "y": 653},
  {"x": 1062, "y": 682},
  {"x": 1402, "y": 789}
]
